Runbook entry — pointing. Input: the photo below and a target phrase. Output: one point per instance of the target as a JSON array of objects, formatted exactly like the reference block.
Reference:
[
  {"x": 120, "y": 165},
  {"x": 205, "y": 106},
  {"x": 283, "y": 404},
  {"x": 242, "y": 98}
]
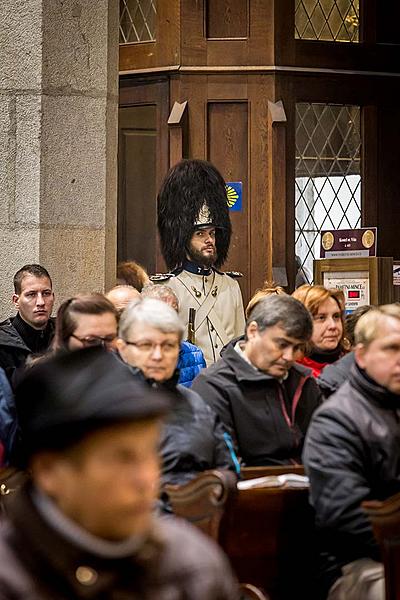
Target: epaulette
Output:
[
  {"x": 160, "y": 277},
  {"x": 234, "y": 274}
]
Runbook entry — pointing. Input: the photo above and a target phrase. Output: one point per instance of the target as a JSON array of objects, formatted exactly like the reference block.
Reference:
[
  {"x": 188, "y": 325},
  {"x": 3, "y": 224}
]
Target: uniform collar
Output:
[{"x": 196, "y": 269}]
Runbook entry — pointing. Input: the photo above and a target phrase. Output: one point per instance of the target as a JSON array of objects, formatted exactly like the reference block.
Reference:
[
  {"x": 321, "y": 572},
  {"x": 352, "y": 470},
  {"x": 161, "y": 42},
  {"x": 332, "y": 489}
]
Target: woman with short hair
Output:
[
  {"x": 193, "y": 440},
  {"x": 327, "y": 310}
]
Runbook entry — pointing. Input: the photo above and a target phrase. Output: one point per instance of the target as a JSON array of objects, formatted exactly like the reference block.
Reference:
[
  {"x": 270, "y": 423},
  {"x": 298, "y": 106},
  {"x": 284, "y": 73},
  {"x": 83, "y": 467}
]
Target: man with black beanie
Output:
[{"x": 84, "y": 527}]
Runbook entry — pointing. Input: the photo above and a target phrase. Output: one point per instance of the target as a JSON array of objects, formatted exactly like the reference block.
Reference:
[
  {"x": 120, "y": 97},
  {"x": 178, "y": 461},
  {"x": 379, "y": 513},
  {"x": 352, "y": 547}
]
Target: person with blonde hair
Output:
[
  {"x": 327, "y": 310},
  {"x": 351, "y": 454},
  {"x": 268, "y": 288}
]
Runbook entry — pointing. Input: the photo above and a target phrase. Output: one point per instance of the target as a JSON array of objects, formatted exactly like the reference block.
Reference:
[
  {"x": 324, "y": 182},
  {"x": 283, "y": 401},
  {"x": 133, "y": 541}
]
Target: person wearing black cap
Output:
[
  {"x": 84, "y": 526},
  {"x": 195, "y": 232}
]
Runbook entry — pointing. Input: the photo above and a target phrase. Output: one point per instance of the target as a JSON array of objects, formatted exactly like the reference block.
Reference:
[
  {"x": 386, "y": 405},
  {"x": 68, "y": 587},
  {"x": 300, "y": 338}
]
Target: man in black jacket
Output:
[
  {"x": 352, "y": 454},
  {"x": 264, "y": 399},
  {"x": 32, "y": 329}
]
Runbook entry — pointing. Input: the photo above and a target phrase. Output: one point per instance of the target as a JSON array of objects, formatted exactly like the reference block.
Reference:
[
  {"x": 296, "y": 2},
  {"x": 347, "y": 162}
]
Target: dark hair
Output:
[
  {"x": 133, "y": 274},
  {"x": 187, "y": 186},
  {"x": 85, "y": 304},
  {"x": 285, "y": 311},
  {"x": 35, "y": 270}
]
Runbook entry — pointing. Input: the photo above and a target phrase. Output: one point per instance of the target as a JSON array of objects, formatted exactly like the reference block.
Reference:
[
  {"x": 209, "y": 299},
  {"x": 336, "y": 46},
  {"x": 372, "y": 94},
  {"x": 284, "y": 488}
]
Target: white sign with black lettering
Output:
[{"x": 354, "y": 284}]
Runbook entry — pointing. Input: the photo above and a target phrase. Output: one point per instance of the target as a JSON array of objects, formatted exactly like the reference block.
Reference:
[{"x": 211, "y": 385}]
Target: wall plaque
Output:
[{"x": 348, "y": 243}]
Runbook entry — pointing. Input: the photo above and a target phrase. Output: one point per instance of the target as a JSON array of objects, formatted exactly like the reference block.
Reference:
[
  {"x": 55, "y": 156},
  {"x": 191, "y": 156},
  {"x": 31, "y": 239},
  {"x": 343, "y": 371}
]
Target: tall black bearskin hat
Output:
[{"x": 192, "y": 195}]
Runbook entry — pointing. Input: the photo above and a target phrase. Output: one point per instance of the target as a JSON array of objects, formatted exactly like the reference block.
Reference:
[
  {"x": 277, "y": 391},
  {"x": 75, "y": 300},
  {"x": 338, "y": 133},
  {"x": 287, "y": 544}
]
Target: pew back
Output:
[
  {"x": 266, "y": 532},
  {"x": 385, "y": 519}
]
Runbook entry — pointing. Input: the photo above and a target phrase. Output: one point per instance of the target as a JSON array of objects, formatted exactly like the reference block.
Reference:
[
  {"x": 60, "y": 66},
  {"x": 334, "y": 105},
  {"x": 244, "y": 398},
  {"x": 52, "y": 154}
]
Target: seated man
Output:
[
  {"x": 264, "y": 399},
  {"x": 352, "y": 454},
  {"x": 31, "y": 330},
  {"x": 84, "y": 527}
]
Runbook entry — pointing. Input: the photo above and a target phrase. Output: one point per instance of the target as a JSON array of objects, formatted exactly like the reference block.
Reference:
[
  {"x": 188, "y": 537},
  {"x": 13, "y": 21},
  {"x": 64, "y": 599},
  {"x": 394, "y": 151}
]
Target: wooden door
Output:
[{"x": 142, "y": 164}]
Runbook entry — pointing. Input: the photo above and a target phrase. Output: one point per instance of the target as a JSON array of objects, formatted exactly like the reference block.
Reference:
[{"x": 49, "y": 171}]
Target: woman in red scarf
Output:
[{"x": 327, "y": 309}]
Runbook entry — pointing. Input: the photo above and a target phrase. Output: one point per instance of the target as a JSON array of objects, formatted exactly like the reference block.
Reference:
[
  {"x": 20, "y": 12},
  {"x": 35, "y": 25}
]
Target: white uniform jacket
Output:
[{"x": 217, "y": 300}]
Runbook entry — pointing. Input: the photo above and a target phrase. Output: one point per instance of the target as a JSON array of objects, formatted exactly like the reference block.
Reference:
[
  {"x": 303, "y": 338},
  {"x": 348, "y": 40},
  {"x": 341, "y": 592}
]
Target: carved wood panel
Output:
[{"x": 227, "y": 149}]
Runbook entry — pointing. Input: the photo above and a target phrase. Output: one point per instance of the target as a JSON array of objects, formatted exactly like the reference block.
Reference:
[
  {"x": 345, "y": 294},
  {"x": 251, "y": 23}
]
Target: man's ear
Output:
[
  {"x": 45, "y": 467},
  {"x": 15, "y": 300},
  {"x": 251, "y": 330},
  {"x": 359, "y": 354},
  {"x": 121, "y": 347}
]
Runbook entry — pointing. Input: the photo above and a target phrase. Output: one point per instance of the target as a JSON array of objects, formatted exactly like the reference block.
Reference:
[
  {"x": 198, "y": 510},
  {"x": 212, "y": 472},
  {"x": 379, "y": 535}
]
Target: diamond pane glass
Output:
[
  {"x": 137, "y": 21},
  {"x": 328, "y": 177},
  {"x": 327, "y": 20}
]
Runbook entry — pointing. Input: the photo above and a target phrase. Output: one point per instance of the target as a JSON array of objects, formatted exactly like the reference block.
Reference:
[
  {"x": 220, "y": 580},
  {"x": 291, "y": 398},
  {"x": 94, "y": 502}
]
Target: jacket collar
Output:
[
  {"x": 372, "y": 390},
  {"x": 196, "y": 269}
]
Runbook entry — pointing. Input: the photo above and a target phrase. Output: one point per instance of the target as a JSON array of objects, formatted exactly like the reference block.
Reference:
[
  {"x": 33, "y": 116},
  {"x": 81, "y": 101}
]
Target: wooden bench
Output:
[
  {"x": 266, "y": 532},
  {"x": 254, "y": 472},
  {"x": 385, "y": 519}
]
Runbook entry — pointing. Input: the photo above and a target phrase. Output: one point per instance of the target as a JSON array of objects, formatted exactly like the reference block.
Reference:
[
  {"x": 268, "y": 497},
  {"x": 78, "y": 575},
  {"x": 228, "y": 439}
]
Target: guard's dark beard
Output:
[{"x": 206, "y": 261}]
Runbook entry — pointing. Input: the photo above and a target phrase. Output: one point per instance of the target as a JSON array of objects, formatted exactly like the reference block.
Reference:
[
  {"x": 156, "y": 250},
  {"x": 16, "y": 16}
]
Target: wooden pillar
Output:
[{"x": 277, "y": 191}]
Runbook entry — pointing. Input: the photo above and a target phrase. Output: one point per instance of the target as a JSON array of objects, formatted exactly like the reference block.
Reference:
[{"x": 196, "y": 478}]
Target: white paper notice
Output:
[{"x": 355, "y": 286}]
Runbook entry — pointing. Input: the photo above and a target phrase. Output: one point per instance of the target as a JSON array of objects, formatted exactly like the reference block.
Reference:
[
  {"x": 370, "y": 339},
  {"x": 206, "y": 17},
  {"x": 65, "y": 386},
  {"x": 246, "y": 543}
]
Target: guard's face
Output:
[
  {"x": 327, "y": 325},
  {"x": 35, "y": 302},
  {"x": 272, "y": 350},
  {"x": 108, "y": 483},
  {"x": 381, "y": 359},
  {"x": 202, "y": 248},
  {"x": 154, "y": 352}
]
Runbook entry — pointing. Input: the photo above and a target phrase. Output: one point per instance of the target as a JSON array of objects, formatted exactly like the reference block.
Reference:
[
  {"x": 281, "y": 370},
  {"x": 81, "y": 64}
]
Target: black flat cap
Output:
[{"x": 65, "y": 397}]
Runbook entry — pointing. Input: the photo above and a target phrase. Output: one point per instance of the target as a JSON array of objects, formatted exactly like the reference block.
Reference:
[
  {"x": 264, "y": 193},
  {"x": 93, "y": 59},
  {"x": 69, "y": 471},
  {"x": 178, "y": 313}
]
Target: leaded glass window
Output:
[
  {"x": 137, "y": 21},
  {"x": 328, "y": 177},
  {"x": 327, "y": 20}
]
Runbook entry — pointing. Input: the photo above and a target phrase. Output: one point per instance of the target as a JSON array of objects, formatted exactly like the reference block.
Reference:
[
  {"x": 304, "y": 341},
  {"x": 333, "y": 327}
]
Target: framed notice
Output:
[
  {"x": 354, "y": 285},
  {"x": 366, "y": 280}
]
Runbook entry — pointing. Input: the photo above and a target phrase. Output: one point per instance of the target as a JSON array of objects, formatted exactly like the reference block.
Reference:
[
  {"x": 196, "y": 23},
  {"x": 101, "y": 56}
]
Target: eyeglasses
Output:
[
  {"x": 95, "y": 340},
  {"x": 149, "y": 347}
]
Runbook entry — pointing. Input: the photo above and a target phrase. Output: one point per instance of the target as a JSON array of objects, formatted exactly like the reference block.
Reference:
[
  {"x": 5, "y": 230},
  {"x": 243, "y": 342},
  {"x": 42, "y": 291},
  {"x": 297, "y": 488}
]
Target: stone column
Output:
[{"x": 58, "y": 142}]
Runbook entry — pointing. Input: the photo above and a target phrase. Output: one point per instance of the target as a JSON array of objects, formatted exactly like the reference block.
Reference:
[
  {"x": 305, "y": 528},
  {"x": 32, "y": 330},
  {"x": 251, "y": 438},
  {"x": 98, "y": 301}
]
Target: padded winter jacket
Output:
[
  {"x": 8, "y": 418},
  {"x": 267, "y": 419},
  {"x": 175, "y": 561},
  {"x": 351, "y": 454},
  {"x": 190, "y": 363}
]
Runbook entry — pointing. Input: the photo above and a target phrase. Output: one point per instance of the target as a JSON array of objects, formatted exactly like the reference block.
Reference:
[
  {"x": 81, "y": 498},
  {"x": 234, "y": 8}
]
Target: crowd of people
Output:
[{"x": 167, "y": 376}]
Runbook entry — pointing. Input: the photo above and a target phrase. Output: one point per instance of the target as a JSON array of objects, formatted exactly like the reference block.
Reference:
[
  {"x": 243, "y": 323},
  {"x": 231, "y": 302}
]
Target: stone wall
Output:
[{"x": 58, "y": 142}]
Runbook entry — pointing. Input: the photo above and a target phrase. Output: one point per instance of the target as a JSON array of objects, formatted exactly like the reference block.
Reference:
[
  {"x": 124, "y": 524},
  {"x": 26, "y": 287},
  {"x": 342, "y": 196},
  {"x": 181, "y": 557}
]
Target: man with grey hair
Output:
[
  {"x": 352, "y": 454},
  {"x": 264, "y": 399}
]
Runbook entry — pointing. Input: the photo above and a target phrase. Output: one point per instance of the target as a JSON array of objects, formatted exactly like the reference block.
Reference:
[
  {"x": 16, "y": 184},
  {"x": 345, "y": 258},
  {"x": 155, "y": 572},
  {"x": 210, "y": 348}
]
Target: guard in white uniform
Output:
[{"x": 195, "y": 231}]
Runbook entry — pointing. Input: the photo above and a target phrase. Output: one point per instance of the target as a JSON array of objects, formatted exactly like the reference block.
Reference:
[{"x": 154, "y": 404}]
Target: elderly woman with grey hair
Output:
[
  {"x": 193, "y": 439},
  {"x": 191, "y": 358}
]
